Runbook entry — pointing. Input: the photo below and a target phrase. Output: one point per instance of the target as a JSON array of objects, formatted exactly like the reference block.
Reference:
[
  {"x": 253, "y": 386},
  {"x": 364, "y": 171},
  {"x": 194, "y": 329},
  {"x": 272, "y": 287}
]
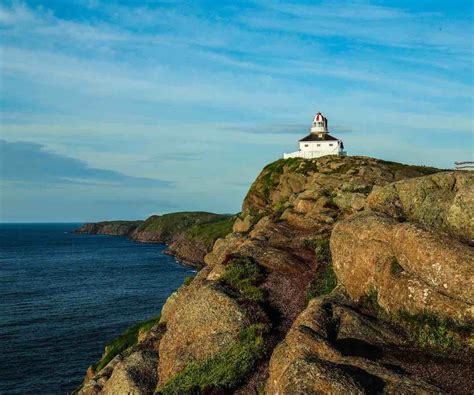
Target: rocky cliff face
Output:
[
  {"x": 341, "y": 275},
  {"x": 112, "y": 228}
]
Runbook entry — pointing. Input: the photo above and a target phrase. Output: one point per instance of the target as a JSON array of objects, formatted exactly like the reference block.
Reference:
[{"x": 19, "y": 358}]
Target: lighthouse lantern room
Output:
[{"x": 319, "y": 142}]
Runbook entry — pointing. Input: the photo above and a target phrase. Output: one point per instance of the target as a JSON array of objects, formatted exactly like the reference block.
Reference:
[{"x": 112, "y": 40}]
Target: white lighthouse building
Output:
[{"x": 319, "y": 142}]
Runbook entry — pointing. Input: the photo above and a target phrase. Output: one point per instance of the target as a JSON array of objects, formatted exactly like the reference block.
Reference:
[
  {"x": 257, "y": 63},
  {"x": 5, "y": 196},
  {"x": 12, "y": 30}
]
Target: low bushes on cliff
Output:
[
  {"x": 324, "y": 280},
  {"x": 209, "y": 232},
  {"x": 124, "y": 341},
  {"x": 243, "y": 275},
  {"x": 223, "y": 371},
  {"x": 168, "y": 225}
]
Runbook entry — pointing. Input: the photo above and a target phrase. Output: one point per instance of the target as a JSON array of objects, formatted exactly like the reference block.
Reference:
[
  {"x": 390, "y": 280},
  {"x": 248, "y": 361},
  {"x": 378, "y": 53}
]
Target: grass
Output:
[
  {"x": 426, "y": 330},
  {"x": 425, "y": 170},
  {"x": 323, "y": 283},
  {"x": 271, "y": 173},
  {"x": 126, "y": 340},
  {"x": 209, "y": 232},
  {"x": 169, "y": 225},
  {"x": 323, "y": 251},
  {"x": 256, "y": 215},
  {"x": 278, "y": 209},
  {"x": 243, "y": 275},
  {"x": 370, "y": 302},
  {"x": 429, "y": 330},
  {"x": 325, "y": 279},
  {"x": 188, "y": 280},
  {"x": 223, "y": 371}
]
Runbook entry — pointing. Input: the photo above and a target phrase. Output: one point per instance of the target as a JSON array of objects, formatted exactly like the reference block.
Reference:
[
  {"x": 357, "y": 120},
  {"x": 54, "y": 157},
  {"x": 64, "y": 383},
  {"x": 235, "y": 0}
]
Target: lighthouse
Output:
[{"x": 318, "y": 142}]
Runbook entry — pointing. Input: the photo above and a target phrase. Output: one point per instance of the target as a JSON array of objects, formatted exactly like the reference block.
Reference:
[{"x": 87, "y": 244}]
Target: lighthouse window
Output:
[
  {"x": 331, "y": 145},
  {"x": 319, "y": 145},
  {"x": 306, "y": 145}
]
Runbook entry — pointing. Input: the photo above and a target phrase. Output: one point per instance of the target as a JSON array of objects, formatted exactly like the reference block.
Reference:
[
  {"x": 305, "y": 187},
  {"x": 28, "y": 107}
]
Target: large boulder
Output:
[
  {"x": 137, "y": 374},
  {"x": 444, "y": 201},
  {"x": 410, "y": 268},
  {"x": 203, "y": 325}
]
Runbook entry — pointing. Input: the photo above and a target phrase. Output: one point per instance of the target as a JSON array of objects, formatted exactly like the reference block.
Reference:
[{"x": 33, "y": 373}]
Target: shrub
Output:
[
  {"x": 209, "y": 232},
  {"x": 223, "y": 371},
  {"x": 243, "y": 275},
  {"x": 323, "y": 283},
  {"x": 126, "y": 340},
  {"x": 323, "y": 251},
  {"x": 188, "y": 280},
  {"x": 370, "y": 302},
  {"x": 278, "y": 210},
  {"x": 431, "y": 331}
]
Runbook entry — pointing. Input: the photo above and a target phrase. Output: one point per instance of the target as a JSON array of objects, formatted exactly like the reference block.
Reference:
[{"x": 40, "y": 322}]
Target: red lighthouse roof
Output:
[{"x": 319, "y": 118}]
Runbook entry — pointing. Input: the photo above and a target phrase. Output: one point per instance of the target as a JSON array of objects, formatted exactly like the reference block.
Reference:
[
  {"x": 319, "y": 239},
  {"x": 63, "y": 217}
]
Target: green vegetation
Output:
[
  {"x": 325, "y": 279},
  {"x": 431, "y": 331},
  {"x": 271, "y": 173},
  {"x": 395, "y": 268},
  {"x": 370, "y": 303},
  {"x": 256, "y": 215},
  {"x": 169, "y": 225},
  {"x": 323, "y": 251},
  {"x": 278, "y": 210},
  {"x": 188, "y": 280},
  {"x": 243, "y": 275},
  {"x": 425, "y": 170},
  {"x": 223, "y": 371},
  {"x": 126, "y": 340},
  {"x": 209, "y": 232},
  {"x": 323, "y": 283},
  {"x": 427, "y": 330}
]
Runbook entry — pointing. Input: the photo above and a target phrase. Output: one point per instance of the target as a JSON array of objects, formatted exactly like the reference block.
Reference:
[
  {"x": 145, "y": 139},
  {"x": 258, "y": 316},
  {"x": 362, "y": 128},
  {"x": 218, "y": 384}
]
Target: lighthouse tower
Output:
[
  {"x": 320, "y": 124},
  {"x": 319, "y": 142}
]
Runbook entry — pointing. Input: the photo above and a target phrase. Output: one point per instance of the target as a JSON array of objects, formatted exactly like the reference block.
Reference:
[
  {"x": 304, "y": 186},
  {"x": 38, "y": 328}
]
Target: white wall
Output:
[{"x": 316, "y": 149}]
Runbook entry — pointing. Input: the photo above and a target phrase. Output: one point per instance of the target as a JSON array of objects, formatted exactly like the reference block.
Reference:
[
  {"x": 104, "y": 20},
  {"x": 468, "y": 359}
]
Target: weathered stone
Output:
[
  {"x": 199, "y": 329},
  {"x": 223, "y": 248},
  {"x": 368, "y": 249},
  {"x": 332, "y": 349},
  {"x": 136, "y": 374},
  {"x": 243, "y": 225},
  {"x": 350, "y": 201},
  {"x": 443, "y": 201}
]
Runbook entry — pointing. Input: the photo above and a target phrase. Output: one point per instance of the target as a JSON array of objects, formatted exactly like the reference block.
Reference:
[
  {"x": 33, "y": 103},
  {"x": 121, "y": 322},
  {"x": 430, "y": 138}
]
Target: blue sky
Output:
[{"x": 121, "y": 109}]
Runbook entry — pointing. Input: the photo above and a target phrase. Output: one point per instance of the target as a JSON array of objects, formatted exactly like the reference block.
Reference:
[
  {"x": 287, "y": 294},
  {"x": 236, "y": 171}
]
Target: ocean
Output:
[{"x": 63, "y": 296}]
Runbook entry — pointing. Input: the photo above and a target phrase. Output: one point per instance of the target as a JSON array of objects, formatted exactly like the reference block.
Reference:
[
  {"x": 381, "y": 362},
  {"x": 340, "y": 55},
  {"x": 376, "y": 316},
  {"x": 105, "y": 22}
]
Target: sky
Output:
[{"x": 123, "y": 109}]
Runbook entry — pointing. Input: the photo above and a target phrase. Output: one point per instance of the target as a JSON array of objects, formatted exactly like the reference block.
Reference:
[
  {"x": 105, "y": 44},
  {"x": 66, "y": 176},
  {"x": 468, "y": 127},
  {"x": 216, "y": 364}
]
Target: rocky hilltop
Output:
[
  {"x": 189, "y": 235},
  {"x": 111, "y": 228},
  {"x": 341, "y": 275}
]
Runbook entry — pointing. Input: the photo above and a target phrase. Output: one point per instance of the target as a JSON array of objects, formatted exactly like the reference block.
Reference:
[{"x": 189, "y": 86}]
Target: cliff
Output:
[
  {"x": 341, "y": 275},
  {"x": 111, "y": 228},
  {"x": 189, "y": 235}
]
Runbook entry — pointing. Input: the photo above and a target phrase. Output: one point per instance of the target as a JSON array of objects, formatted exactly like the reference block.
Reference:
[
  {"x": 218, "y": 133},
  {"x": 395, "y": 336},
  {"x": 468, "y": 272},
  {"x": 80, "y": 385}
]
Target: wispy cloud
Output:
[{"x": 31, "y": 163}]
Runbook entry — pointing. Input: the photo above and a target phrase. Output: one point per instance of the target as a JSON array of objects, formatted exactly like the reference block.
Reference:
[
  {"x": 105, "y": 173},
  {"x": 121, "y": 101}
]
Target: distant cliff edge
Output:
[{"x": 189, "y": 235}]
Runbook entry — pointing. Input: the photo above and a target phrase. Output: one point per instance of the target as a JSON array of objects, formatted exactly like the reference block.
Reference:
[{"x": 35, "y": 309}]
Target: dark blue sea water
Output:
[{"x": 64, "y": 296}]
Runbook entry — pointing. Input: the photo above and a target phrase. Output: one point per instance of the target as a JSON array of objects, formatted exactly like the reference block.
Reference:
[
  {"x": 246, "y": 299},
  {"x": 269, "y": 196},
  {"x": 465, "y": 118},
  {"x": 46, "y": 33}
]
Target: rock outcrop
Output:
[
  {"x": 111, "y": 228},
  {"x": 414, "y": 265},
  {"x": 264, "y": 313},
  {"x": 333, "y": 349},
  {"x": 443, "y": 201}
]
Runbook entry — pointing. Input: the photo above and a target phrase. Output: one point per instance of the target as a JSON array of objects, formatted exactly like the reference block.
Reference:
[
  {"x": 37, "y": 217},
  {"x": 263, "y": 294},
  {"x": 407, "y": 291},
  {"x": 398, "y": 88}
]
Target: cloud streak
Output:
[{"x": 31, "y": 163}]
